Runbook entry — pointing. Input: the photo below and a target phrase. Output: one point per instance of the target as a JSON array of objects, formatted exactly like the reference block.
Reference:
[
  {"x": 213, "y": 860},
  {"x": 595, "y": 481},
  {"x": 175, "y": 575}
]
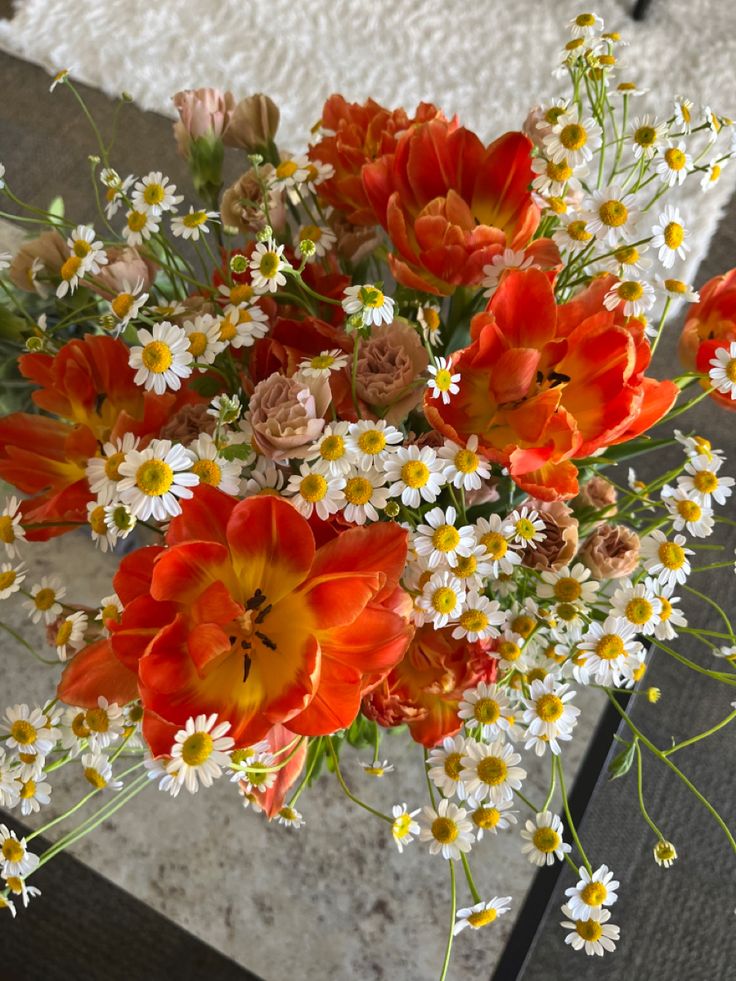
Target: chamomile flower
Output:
[
  {"x": 265, "y": 477},
  {"x": 377, "y": 768},
  {"x": 509, "y": 650},
  {"x": 103, "y": 475},
  {"x": 490, "y": 817},
  {"x": 331, "y": 454},
  {"x": 676, "y": 289},
  {"x": 481, "y": 914},
  {"x": 627, "y": 261},
  {"x": 490, "y": 770},
  {"x": 669, "y": 236},
  {"x": 586, "y": 26},
  {"x": 211, "y": 467},
  {"x": 713, "y": 173},
  {"x": 573, "y": 234},
  {"x": 44, "y": 600},
  {"x": 244, "y": 326},
  {"x": 696, "y": 445},
  {"x": 105, "y": 723},
  {"x": 485, "y": 708},
  {"x": 702, "y": 481},
  {"x": 70, "y": 634},
  {"x": 428, "y": 317},
  {"x": 200, "y": 751},
  {"x": 313, "y": 491},
  {"x": 364, "y": 496},
  {"x": 370, "y": 302},
  {"x": 665, "y": 853},
  {"x": 8, "y": 783},
  {"x": 193, "y": 224},
  {"x": 462, "y": 466},
  {"x": 156, "y": 771},
  {"x": 441, "y": 599},
  {"x": 446, "y": 767},
  {"x": 479, "y": 619},
  {"x": 639, "y": 605},
  {"x": 722, "y": 372},
  {"x": 119, "y": 519},
  {"x": 683, "y": 114},
  {"x": 257, "y": 771},
  {"x": 11, "y": 529},
  {"x": 14, "y": 854},
  {"x": 162, "y": 359},
  {"x": 110, "y": 609},
  {"x": 19, "y": 887},
  {"x": 543, "y": 838},
  {"x": 116, "y": 189},
  {"x": 403, "y": 828},
  {"x": 204, "y": 338},
  {"x": 33, "y": 795},
  {"x": 674, "y": 164},
  {"x": 371, "y": 442},
  {"x": 71, "y": 273},
  {"x": 568, "y": 585},
  {"x": 415, "y": 474},
  {"x": 322, "y": 365},
  {"x": 289, "y": 817},
  {"x": 27, "y": 730},
  {"x": 612, "y": 216},
  {"x": 440, "y": 541},
  {"x": 266, "y": 264},
  {"x": 8, "y": 904},
  {"x": 509, "y": 259},
  {"x": 442, "y": 382},
  {"x": 11, "y": 578},
  {"x": 573, "y": 140},
  {"x": 97, "y": 771},
  {"x": 447, "y": 830},
  {"x": 670, "y": 616},
  {"x": 126, "y": 304},
  {"x": 140, "y": 226},
  {"x": 236, "y": 296},
  {"x": 646, "y": 136},
  {"x": 665, "y": 559},
  {"x": 595, "y": 934},
  {"x": 153, "y": 479},
  {"x": 528, "y": 529},
  {"x": 549, "y": 717},
  {"x": 687, "y": 513},
  {"x": 323, "y": 238},
  {"x": 636, "y": 295},
  {"x": 291, "y": 171},
  {"x": 592, "y": 891},
  {"x": 153, "y": 194},
  {"x": 494, "y": 534},
  {"x": 83, "y": 244},
  {"x": 607, "y": 647}
]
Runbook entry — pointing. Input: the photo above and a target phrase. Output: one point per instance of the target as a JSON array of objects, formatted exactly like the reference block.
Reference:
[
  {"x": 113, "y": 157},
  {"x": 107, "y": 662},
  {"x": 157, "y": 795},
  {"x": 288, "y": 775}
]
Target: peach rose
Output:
[
  {"x": 390, "y": 365},
  {"x": 611, "y": 552},
  {"x": 202, "y": 113},
  {"x": 286, "y": 415},
  {"x": 598, "y": 494},
  {"x": 253, "y": 123},
  {"x": 38, "y": 259}
]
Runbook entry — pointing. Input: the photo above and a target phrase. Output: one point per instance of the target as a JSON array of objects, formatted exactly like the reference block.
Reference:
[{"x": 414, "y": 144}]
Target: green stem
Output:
[
  {"x": 702, "y": 735},
  {"x": 640, "y": 792},
  {"x": 348, "y": 792},
  {"x": 469, "y": 877},
  {"x": 453, "y": 912},
  {"x": 568, "y": 815}
]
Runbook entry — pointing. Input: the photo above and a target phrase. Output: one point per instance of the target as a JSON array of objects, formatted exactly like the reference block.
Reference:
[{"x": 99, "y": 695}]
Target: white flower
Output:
[
  {"x": 153, "y": 194},
  {"x": 243, "y": 326},
  {"x": 490, "y": 817},
  {"x": 687, "y": 513},
  {"x": 116, "y": 188},
  {"x": 494, "y": 535},
  {"x": 713, "y": 173},
  {"x": 323, "y": 238},
  {"x": 669, "y": 235},
  {"x": 636, "y": 295},
  {"x": 239, "y": 296},
  {"x": 528, "y": 528},
  {"x": 140, "y": 226},
  {"x": 612, "y": 216},
  {"x": 163, "y": 358},
  {"x": 447, "y": 830},
  {"x": 192, "y": 224},
  {"x": 105, "y": 723},
  {"x": 677, "y": 289},
  {"x": 665, "y": 853},
  {"x": 266, "y": 263},
  {"x": 722, "y": 371},
  {"x": 702, "y": 481},
  {"x": 674, "y": 164},
  {"x": 291, "y": 171},
  {"x": 593, "y": 890},
  {"x": 611, "y": 644},
  {"x": 204, "y": 338},
  {"x": 683, "y": 113},
  {"x": 119, "y": 519},
  {"x": 14, "y": 854},
  {"x": 152, "y": 479},
  {"x": 156, "y": 770},
  {"x": 44, "y": 602},
  {"x": 445, "y": 766},
  {"x": 481, "y": 914},
  {"x": 441, "y": 599},
  {"x": 568, "y": 585},
  {"x": 667, "y": 560},
  {"x": 103, "y": 475},
  {"x": 33, "y": 795},
  {"x": 442, "y": 383},
  {"x": 586, "y": 25},
  {"x": 627, "y": 261},
  {"x": 322, "y": 365},
  {"x": 332, "y": 453},
  {"x": 549, "y": 716},
  {"x": 670, "y": 617},
  {"x": 573, "y": 140},
  {"x": 508, "y": 259},
  {"x": 595, "y": 934},
  {"x": 11, "y": 529},
  {"x": 573, "y": 235},
  {"x": 312, "y": 491},
  {"x": 98, "y": 772},
  {"x": 486, "y": 708},
  {"x": 464, "y": 468},
  {"x": 439, "y": 540},
  {"x": 126, "y": 304},
  {"x": 110, "y": 609},
  {"x": 490, "y": 770},
  {"x": 211, "y": 467},
  {"x": 370, "y": 302},
  {"x": 199, "y": 752},
  {"x": 19, "y": 887},
  {"x": 377, "y": 768},
  {"x": 364, "y": 496},
  {"x": 415, "y": 475},
  {"x": 11, "y": 578},
  {"x": 83, "y": 244},
  {"x": 480, "y": 618},
  {"x": 70, "y": 634},
  {"x": 428, "y": 317},
  {"x": 403, "y": 828},
  {"x": 265, "y": 475},
  {"x": 698, "y": 446},
  {"x": 370, "y": 441},
  {"x": 544, "y": 839},
  {"x": 646, "y": 135},
  {"x": 257, "y": 770},
  {"x": 289, "y": 817},
  {"x": 639, "y": 605}
]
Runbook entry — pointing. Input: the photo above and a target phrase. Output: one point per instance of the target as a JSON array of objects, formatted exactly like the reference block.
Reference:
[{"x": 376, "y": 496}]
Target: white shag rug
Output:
[{"x": 486, "y": 60}]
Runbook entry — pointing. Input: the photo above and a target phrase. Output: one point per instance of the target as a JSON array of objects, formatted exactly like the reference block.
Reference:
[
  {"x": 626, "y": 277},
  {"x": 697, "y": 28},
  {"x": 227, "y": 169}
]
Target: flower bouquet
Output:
[{"x": 357, "y": 427}]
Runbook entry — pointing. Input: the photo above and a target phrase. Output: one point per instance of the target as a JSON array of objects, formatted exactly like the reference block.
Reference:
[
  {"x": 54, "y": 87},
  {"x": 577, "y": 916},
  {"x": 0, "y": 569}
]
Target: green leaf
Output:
[
  {"x": 621, "y": 764},
  {"x": 206, "y": 385},
  {"x": 236, "y": 451}
]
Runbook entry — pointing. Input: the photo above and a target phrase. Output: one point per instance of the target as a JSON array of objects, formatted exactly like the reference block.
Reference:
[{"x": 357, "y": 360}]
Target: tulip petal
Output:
[{"x": 96, "y": 671}]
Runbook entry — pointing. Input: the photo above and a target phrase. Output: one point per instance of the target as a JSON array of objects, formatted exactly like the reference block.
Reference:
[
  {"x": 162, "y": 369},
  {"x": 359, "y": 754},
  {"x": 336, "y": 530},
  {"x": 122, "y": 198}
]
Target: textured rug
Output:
[{"x": 487, "y": 60}]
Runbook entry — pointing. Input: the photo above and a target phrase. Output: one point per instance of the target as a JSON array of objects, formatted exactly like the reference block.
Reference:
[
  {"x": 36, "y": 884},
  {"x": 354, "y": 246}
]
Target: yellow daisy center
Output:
[
  {"x": 552, "y": 115},
  {"x": 474, "y": 621},
  {"x": 630, "y": 290},
  {"x": 675, "y": 158},
  {"x": 589, "y": 930},
  {"x": 12, "y": 850},
  {"x": 310, "y": 232},
  {"x": 371, "y": 297},
  {"x": 486, "y": 817},
  {"x": 401, "y": 826},
  {"x": 228, "y": 329},
  {"x": 627, "y": 255},
  {"x": 578, "y": 231},
  {"x": 358, "y": 490},
  {"x": 585, "y": 20},
  {"x": 645, "y": 136},
  {"x": 486, "y": 711},
  {"x": 82, "y": 248},
  {"x": 594, "y": 893},
  {"x": 567, "y": 589},
  {"x": 639, "y": 610},
  {"x": 482, "y": 918},
  {"x": 613, "y": 213},
  {"x": 208, "y": 471},
  {"x": 523, "y": 624},
  {"x": 194, "y": 219},
  {"x": 44, "y": 599},
  {"x": 415, "y": 473},
  {"x": 372, "y": 441},
  {"x": 97, "y": 520},
  {"x": 332, "y": 447},
  {"x": 70, "y": 268},
  {"x": 110, "y": 612},
  {"x": 154, "y": 193},
  {"x": 112, "y": 465},
  {"x": 197, "y": 343},
  {"x": 64, "y": 633},
  {"x": 705, "y": 481},
  {"x": 431, "y": 318},
  {"x": 453, "y": 765},
  {"x": 23, "y": 732},
  {"x": 444, "y": 830},
  {"x": 444, "y": 599},
  {"x": 7, "y": 579},
  {"x": 466, "y": 566},
  {"x": 122, "y": 305},
  {"x": 443, "y": 380},
  {"x": 689, "y": 510},
  {"x": 97, "y": 720},
  {"x": 525, "y": 529},
  {"x": 286, "y": 169},
  {"x": 674, "y": 235},
  {"x": 731, "y": 370},
  {"x": 495, "y": 544},
  {"x": 242, "y": 292},
  {"x": 322, "y": 361},
  {"x": 137, "y": 221},
  {"x": 492, "y": 770},
  {"x": 671, "y": 555},
  {"x": 268, "y": 265},
  {"x": 94, "y": 777},
  {"x": 549, "y": 707},
  {"x": 573, "y": 136},
  {"x": 446, "y": 538},
  {"x": 197, "y": 748},
  {"x": 609, "y": 647},
  {"x": 157, "y": 357},
  {"x": 154, "y": 478},
  {"x": 559, "y": 172},
  {"x": 313, "y": 487},
  {"x": 509, "y": 650},
  {"x": 7, "y": 529},
  {"x": 546, "y": 840}
]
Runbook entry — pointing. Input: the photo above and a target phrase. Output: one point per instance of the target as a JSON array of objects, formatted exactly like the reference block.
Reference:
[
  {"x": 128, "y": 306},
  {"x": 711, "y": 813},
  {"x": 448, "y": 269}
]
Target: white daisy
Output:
[
  {"x": 442, "y": 382},
  {"x": 464, "y": 468},
  {"x": 595, "y": 935},
  {"x": 669, "y": 236},
  {"x": 44, "y": 600},
  {"x": 544, "y": 839},
  {"x": 322, "y": 365},
  {"x": 638, "y": 605},
  {"x": 627, "y": 261},
  {"x": 153, "y": 194},
  {"x": 27, "y": 730},
  {"x": 568, "y": 585},
  {"x": 712, "y": 173},
  {"x": 371, "y": 441},
  {"x": 446, "y": 768},
  {"x": 119, "y": 519},
  {"x": 116, "y": 189},
  {"x": 703, "y": 482},
  {"x": 415, "y": 474},
  {"x": 377, "y": 768},
  {"x": 490, "y": 817},
  {"x": 683, "y": 113},
  {"x": 549, "y": 717},
  {"x": 71, "y": 273},
  {"x": 670, "y": 617},
  {"x": 609, "y": 646},
  {"x": 573, "y": 139},
  {"x": 485, "y": 708},
  {"x": 555, "y": 175},
  {"x": 291, "y": 171},
  {"x": 266, "y": 264},
  {"x": 695, "y": 445},
  {"x": 289, "y": 817},
  {"x": 323, "y": 238},
  {"x": 126, "y": 305},
  {"x": 674, "y": 164},
  {"x": 19, "y": 887},
  {"x": 154, "y": 478},
  {"x": 528, "y": 528},
  {"x": 428, "y": 317},
  {"x": 242, "y": 327},
  {"x": 14, "y": 854},
  {"x": 98, "y": 772},
  {"x": 364, "y": 496},
  {"x": 722, "y": 371},
  {"x": 103, "y": 475},
  {"x": 447, "y": 830},
  {"x": 70, "y": 634},
  {"x": 403, "y": 828},
  {"x": 204, "y": 338},
  {"x": 665, "y": 853},
  {"x": 585, "y": 25},
  {"x": 332, "y": 454},
  {"x": 140, "y": 226},
  {"x": 480, "y": 618},
  {"x": 211, "y": 467},
  {"x": 440, "y": 541},
  {"x": 592, "y": 891},
  {"x": 11, "y": 529},
  {"x": 494, "y": 535},
  {"x": 678, "y": 290},
  {"x": 11, "y": 578},
  {"x": 636, "y": 295},
  {"x": 687, "y": 513},
  {"x": 646, "y": 136},
  {"x": 33, "y": 795},
  {"x": 368, "y": 301},
  {"x": 83, "y": 243},
  {"x": 665, "y": 559},
  {"x": 236, "y": 296},
  {"x": 441, "y": 599},
  {"x": 612, "y": 216},
  {"x": 193, "y": 224},
  {"x": 105, "y": 723},
  {"x": 199, "y": 752},
  {"x": 481, "y": 914},
  {"x": 490, "y": 770},
  {"x": 110, "y": 609},
  {"x": 312, "y": 491},
  {"x": 573, "y": 234},
  {"x": 163, "y": 358}
]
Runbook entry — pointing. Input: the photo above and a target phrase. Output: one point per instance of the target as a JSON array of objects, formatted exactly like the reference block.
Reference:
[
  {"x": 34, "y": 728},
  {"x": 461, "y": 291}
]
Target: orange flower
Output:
[
  {"x": 242, "y": 616},
  {"x": 450, "y": 205},
  {"x": 361, "y": 134},
  {"x": 89, "y": 385},
  {"x": 710, "y": 325},
  {"x": 424, "y": 690},
  {"x": 542, "y": 385}
]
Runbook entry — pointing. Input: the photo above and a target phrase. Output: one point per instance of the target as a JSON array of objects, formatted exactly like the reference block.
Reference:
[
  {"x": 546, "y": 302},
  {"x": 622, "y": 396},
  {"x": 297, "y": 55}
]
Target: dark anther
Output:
[
  {"x": 246, "y": 668},
  {"x": 557, "y": 377},
  {"x": 232, "y": 639},
  {"x": 266, "y": 641},
  {"x": 264, "y": 613},
  {"x": 245, "y": 645},
  {"x": 256, "y": 600}
]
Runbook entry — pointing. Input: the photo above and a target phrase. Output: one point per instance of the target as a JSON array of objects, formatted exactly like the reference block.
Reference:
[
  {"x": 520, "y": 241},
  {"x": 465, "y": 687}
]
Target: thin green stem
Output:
[
  {"x": 348, "y": 792},
  {"x": 640, "y": 792},
  {"x": 701, "y": 735},
  {"x": 469, "y": 877},
  {"x": 453, "y": 912},
  {"x": 568, "y": 815}
]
